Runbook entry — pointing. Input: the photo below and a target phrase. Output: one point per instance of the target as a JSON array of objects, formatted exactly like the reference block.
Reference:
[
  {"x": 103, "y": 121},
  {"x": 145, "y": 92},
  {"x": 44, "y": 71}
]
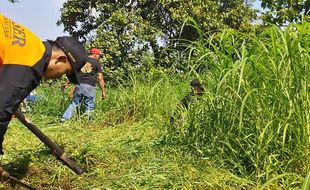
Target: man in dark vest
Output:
[
  {"x": 25, "y": 60},
  {"x": 197, "y": 91}
]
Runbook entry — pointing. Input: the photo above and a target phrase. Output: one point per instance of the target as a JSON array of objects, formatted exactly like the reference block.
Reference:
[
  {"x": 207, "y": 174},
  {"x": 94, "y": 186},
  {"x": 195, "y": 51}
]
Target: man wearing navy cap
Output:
[
  {"x": 197, "y": 90},
  {"x": 25, "y": 60}
]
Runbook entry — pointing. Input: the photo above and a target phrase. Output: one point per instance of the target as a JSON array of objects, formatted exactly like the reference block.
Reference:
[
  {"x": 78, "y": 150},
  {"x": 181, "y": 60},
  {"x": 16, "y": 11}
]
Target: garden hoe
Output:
[{"x": 59, "y": 153}]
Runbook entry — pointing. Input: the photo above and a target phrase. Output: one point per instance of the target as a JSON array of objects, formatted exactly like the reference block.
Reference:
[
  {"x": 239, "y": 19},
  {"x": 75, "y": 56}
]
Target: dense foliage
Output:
[
  {"x": 127, "y": 31},
  {"x": 254, "y": 119},
  {"x": 283, "y": 12}
]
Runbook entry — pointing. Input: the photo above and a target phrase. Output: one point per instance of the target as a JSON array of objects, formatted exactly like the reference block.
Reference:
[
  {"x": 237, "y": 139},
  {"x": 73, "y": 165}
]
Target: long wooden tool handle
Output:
[{"x": 55, "y": 149}]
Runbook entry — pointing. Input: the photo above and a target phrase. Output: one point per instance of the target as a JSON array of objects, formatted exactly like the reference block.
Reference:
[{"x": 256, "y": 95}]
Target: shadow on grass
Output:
[
  {"x": 18, "y": 169},
  {"x": 21, "y": 167}
]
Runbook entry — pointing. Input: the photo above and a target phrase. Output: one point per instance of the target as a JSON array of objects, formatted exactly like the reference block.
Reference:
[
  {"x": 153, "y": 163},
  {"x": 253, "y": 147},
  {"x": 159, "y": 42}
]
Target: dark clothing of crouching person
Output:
[{"x": 197, "y": 91}]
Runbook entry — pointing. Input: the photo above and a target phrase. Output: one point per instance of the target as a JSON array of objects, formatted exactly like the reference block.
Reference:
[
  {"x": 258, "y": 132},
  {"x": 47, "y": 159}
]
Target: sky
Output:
[{"x": 40, "y": 16}]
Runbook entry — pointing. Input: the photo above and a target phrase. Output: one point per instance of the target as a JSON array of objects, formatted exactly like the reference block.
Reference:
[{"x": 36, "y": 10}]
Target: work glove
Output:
[
  {"x": 1, "y": 146},
  {"x": 5, "y": 118},
  {"x": 1, "y": 151}
]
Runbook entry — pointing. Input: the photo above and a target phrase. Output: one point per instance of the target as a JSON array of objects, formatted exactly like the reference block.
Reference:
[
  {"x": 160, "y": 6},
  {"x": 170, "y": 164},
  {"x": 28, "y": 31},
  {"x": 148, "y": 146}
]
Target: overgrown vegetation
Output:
[
  {"x": 254, "y": 120},
  {"x": 250, "y": 130}
]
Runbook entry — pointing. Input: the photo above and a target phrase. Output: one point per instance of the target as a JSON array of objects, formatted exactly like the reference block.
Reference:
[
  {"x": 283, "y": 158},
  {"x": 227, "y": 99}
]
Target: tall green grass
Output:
[
  {"x": 141, "y": 98},
  {"x": 120, "y": 149},
  {"x": 255, "y": 118}
]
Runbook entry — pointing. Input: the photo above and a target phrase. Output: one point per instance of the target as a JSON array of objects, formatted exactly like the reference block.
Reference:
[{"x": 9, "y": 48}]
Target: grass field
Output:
[{"x": 127, "y": 156}]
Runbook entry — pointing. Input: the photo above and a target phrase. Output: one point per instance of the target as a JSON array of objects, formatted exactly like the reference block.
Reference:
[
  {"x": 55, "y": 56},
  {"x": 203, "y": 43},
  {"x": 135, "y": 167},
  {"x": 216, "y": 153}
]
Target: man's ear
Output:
[{"x": 61, "y": 58}]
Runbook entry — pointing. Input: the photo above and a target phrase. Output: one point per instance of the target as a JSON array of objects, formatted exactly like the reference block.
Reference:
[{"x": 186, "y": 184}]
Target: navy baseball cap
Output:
[
  {"x": 195, "y": 82},
  {"x": 76, "y": 53}
]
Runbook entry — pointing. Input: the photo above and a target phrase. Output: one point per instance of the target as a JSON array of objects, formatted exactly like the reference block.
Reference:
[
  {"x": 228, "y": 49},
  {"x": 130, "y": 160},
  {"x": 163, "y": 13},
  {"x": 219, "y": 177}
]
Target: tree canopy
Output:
[
  {"x": 129, "y": 30},
  {"x": 125, "y": 30},
  {"x": 281, "y": 12}
]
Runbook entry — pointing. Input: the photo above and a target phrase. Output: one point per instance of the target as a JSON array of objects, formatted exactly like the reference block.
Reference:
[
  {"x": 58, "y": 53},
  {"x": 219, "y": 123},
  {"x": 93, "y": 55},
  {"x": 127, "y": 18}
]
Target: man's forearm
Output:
[
  {"x": 102, "y": 86},
  {"x": 101, "y": 82}
]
